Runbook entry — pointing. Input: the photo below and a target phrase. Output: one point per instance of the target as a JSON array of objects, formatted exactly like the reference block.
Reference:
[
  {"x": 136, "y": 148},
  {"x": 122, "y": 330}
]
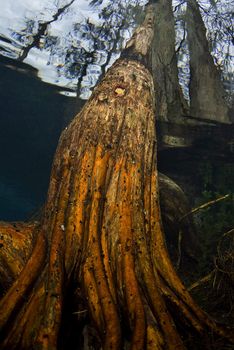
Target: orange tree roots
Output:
[{"x": 100, "y": 232}]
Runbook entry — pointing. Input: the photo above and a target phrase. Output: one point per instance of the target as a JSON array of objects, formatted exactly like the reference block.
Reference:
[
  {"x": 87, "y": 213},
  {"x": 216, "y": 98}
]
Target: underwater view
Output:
[{"x": 116, "y": 147}]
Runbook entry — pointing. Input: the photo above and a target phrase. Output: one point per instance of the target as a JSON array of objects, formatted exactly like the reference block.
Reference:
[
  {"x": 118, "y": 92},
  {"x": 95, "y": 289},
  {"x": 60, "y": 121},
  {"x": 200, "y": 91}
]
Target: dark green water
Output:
[
  {"x": 32, "y": 115},
  {"x": 205, "y": 174}
]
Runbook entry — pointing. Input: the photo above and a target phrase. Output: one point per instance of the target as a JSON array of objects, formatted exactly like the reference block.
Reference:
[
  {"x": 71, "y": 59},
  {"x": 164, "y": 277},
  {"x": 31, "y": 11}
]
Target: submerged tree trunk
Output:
[
  {"x": 207, "y": 95},
  {"x": 100, "y": 239},
  {"x": 170, "y": 103}
]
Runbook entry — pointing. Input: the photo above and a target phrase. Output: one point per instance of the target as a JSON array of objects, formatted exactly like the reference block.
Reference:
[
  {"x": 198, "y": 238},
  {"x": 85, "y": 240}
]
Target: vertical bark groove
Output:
[{"x": 101, "y": 231}]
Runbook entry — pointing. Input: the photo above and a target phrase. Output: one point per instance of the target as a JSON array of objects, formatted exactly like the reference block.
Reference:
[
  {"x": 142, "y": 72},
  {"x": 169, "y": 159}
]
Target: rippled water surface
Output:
[
  {"x": 49, "y": 50},
  {"x": 63, "y": 38}
]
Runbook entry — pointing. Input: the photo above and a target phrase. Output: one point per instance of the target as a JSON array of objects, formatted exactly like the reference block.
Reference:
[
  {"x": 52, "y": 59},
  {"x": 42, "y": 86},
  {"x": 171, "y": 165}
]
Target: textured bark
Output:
[
  {"x": 16, "y": 246},
  {"x": 207, "y": 94},
  {"x": 100, "y": 236},
  {"x": 170, "y": 103}
]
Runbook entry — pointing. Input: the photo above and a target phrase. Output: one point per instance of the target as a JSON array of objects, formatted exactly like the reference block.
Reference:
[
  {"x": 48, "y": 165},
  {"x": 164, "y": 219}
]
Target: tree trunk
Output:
[
  {"x": 170, "y": 103},
  {"x": 100, "y": 242},
  {"x": 207, "y": 95}
]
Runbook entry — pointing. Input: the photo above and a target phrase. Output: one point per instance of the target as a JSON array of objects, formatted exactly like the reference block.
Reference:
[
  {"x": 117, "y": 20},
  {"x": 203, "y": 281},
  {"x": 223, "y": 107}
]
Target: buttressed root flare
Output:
[{"x": 100, "y": 232}]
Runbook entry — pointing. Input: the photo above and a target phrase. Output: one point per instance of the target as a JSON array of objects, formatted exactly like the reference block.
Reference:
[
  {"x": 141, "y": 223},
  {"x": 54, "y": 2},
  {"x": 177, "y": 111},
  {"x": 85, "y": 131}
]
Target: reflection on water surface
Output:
[
  {"x": 67, "y": 40},
  {"x": 69, "y": 44}
]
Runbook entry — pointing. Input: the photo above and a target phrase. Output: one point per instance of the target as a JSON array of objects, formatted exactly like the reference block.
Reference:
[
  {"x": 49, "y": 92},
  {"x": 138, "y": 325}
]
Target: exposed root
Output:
[{"x": 101, "y": 230}]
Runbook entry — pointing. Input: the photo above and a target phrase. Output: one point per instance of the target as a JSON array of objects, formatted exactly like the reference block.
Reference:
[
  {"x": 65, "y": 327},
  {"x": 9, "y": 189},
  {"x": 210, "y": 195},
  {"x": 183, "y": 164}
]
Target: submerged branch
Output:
[
  {"x": 201, "y": 281},
  {"x": 205, "y": 205}
]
